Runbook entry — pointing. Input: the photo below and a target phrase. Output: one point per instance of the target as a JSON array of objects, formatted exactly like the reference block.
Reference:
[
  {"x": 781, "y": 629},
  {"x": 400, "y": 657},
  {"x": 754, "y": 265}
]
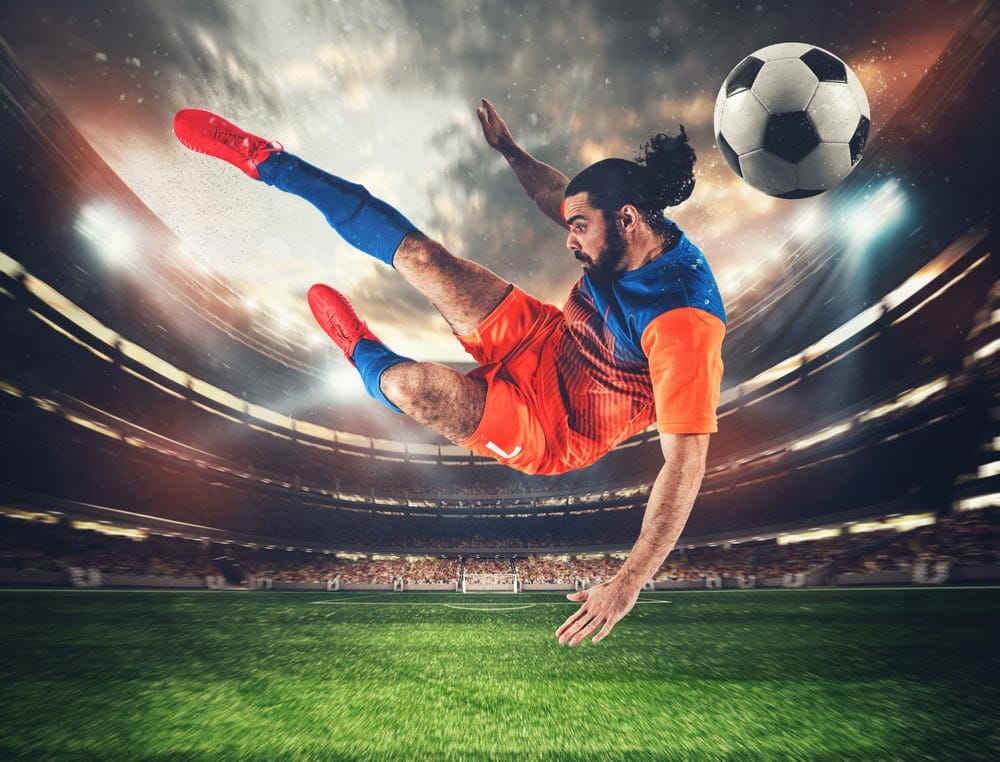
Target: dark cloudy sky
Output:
[{"x": 385, "y": 94}]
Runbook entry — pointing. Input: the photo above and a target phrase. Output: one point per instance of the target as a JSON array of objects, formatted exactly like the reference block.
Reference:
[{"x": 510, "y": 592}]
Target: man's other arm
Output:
[
  {"x": 670, "y": 501},
  {"x": 543, "y": 184}
]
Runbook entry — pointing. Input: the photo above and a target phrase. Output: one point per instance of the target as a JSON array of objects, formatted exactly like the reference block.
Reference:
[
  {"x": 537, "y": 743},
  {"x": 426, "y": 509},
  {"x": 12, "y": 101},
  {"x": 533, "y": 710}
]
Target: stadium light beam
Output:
[
  {"x": 345, "y": 382},
  {"x": 807, "y": 224},
  {"x": 108, "y": 230},
  {"x": 877, "y": 214}
]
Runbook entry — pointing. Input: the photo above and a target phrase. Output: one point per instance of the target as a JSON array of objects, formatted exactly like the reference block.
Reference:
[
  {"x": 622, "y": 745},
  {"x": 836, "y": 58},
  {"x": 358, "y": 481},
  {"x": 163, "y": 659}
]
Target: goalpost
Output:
[{"x": 490, "y": 583}]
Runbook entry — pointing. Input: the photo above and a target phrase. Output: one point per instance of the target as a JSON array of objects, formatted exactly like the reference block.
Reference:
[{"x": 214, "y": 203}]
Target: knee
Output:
[
  {"x": 403, "y": 384},
  {"x": 420, "y": 252},
  {"x": 436, "y": 396}
]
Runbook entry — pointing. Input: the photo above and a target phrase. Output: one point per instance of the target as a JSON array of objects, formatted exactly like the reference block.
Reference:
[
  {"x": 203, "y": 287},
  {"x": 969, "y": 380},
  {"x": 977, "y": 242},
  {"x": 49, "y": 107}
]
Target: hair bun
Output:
[{"x": 669, "y": 162}]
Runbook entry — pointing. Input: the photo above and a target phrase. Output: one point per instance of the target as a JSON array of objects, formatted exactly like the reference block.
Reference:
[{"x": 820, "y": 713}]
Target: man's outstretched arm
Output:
[
  {"x": 543, "y": 184},
  {"x": 670, "y": 501}
]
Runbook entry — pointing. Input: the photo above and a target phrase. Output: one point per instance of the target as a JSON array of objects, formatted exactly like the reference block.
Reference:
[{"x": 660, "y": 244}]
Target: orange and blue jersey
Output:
[
  {"x": 565, "y": 387},
  {"x": 643, "y": 347}
]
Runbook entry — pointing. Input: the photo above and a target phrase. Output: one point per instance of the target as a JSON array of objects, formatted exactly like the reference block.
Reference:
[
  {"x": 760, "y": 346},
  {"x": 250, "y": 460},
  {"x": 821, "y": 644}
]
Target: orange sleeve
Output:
[{"x": 684, "y": 349}]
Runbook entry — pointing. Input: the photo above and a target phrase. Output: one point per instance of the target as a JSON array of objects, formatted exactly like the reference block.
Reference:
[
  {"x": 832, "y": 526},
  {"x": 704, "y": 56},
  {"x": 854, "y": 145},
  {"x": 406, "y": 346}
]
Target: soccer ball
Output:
[{"x": 792, "y": 120}]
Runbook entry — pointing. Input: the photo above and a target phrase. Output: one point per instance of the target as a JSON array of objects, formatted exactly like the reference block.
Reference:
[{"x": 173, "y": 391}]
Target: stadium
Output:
[{"x": 201, "y": 557}]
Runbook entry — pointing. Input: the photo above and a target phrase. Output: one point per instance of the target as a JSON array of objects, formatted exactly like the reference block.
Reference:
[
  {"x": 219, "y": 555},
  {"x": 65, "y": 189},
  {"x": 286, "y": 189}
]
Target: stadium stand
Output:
[
  {"x": 168, "y": 409},
  {"x": 42, "y": 542}
]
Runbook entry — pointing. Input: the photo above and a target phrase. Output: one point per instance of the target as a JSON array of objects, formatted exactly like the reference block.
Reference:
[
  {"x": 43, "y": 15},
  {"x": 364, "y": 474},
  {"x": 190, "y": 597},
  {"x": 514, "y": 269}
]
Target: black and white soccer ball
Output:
[{"x": 792, "y": 120}]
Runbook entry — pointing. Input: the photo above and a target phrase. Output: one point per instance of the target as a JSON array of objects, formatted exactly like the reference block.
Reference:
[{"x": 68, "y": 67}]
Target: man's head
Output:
[
  {"x": 615, "y": 201},
  {"x": 594, "y": 237}
]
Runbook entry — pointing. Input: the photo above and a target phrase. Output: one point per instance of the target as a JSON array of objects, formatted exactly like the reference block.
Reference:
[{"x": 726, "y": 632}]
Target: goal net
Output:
[{"x": 489, "y": 583}]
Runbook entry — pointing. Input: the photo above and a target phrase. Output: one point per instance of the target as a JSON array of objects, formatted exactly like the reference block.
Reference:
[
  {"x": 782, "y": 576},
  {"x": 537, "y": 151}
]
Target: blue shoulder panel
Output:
[{"x": 677, "y": 278}]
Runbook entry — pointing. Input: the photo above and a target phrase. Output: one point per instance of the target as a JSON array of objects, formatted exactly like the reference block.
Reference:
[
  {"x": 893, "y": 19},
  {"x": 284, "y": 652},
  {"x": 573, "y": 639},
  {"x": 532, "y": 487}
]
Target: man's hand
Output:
[
  {"x": 495, "y": 129},
  {"x": 604, "y": 606}
]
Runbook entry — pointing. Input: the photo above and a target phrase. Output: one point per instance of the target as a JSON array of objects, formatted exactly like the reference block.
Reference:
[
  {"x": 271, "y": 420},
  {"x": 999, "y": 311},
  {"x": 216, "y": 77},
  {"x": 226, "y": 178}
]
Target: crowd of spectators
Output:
[
  {"x": 549, "y": 570},
  {"x": 47, "y": 547},
  {"x": 433, "y": 571},
  {"x": 477, "y": 565},
  {"x": 759, "y": 559},
  {"x": 962, "y": 539},
  {"x": 372, "y": 571},
  {"x": 597, "y": 569},
  {"x": 965, "y": 539},
  {"x": 292, "y": 567}
]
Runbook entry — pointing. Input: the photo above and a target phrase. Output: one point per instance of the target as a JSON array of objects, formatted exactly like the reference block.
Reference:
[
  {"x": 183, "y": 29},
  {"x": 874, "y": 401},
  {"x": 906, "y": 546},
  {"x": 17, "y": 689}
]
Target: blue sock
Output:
[
  {"x": 372, "y": 359},
  {"x": 365, "y": 222}
]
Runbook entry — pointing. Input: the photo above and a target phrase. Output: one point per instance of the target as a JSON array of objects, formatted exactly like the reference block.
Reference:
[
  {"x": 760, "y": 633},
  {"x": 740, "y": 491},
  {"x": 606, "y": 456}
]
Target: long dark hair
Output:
[{"x": 662, "y": 176}]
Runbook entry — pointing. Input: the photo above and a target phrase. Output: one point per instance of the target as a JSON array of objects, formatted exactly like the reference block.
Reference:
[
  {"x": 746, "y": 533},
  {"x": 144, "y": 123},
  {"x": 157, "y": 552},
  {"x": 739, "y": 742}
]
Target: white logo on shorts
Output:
[{"x": 494, "y": 447}]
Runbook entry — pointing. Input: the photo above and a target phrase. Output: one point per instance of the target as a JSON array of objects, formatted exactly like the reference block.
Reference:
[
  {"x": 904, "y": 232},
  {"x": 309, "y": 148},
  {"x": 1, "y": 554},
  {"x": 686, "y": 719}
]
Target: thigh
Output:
[
  {"x": 510, "y": 430},
  {"x": 518, "y": 323},
  {"x": 462, "y": 291},
  {"x": 437, "y": 396}
]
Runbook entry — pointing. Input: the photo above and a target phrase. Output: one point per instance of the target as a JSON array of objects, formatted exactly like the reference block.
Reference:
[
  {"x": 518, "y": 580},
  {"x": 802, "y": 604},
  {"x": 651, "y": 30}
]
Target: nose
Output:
[{"x": 572, "y": 243}]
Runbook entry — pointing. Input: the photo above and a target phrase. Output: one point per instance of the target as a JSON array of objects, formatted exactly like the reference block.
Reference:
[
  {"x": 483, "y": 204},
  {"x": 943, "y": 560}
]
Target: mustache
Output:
[{"x": 580, "y": 256}]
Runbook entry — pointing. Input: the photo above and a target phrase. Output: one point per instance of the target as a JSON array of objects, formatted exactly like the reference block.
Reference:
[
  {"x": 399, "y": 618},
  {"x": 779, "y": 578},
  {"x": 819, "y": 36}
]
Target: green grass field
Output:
[{"x": 825, "y": 674}]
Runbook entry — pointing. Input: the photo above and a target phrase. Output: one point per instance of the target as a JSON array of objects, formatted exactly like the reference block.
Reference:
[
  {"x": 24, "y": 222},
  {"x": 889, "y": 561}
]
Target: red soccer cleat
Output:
[
  {"x": 205, "y": 132},
  {"x": 337, "y": 317}
]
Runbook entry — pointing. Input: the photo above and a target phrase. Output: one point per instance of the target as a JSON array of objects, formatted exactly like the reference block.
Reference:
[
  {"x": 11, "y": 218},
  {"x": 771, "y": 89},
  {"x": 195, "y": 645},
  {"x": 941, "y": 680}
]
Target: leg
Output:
[
  {"x": 462, "y": 291},
  {"x": 439, "y": 397}
]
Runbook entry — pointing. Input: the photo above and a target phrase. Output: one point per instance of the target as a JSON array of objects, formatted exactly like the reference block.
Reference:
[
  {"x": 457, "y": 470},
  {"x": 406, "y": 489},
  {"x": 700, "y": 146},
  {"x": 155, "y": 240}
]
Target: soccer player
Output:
[{"x": 638, "y": 340}]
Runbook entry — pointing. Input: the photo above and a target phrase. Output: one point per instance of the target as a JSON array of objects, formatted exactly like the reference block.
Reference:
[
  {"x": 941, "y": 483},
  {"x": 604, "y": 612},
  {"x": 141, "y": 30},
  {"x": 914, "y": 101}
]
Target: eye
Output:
[{"x": 579, "y": 228}]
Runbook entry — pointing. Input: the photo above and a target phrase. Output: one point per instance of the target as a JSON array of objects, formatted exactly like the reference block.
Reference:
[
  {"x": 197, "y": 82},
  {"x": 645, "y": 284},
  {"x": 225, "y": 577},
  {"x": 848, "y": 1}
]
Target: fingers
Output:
[
  {"x": 487, "y": 113},
  {"x": 582, "y": 616},
  {"x": 583, "y": 625},
  {"x": 597, "y": 613},
  {"x": 586, "y": 630},
  {"x": 569, "y": 625},
  {"x": 570, "y": 634},
  {"x": 608, "y": 627},
  {"x": 494, "y": 118}
]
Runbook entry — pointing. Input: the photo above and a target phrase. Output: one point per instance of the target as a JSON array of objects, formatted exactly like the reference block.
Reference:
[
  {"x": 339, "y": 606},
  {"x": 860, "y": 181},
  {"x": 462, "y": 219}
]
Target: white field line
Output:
[{"x": 352, "y": 595}]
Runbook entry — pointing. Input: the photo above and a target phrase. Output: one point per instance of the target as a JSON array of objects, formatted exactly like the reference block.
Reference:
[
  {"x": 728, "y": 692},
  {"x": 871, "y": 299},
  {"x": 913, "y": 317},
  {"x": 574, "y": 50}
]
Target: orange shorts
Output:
[{"x": 508, "y": 345}]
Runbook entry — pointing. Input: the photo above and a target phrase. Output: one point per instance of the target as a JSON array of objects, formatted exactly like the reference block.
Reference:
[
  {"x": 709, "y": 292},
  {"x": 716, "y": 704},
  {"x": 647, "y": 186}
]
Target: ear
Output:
[{"x": 627, "y": 217}]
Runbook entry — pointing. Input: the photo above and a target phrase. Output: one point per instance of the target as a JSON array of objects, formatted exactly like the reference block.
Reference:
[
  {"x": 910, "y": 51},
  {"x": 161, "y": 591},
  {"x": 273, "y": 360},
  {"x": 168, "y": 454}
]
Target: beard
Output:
[{"x": 604, "y": 267}]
